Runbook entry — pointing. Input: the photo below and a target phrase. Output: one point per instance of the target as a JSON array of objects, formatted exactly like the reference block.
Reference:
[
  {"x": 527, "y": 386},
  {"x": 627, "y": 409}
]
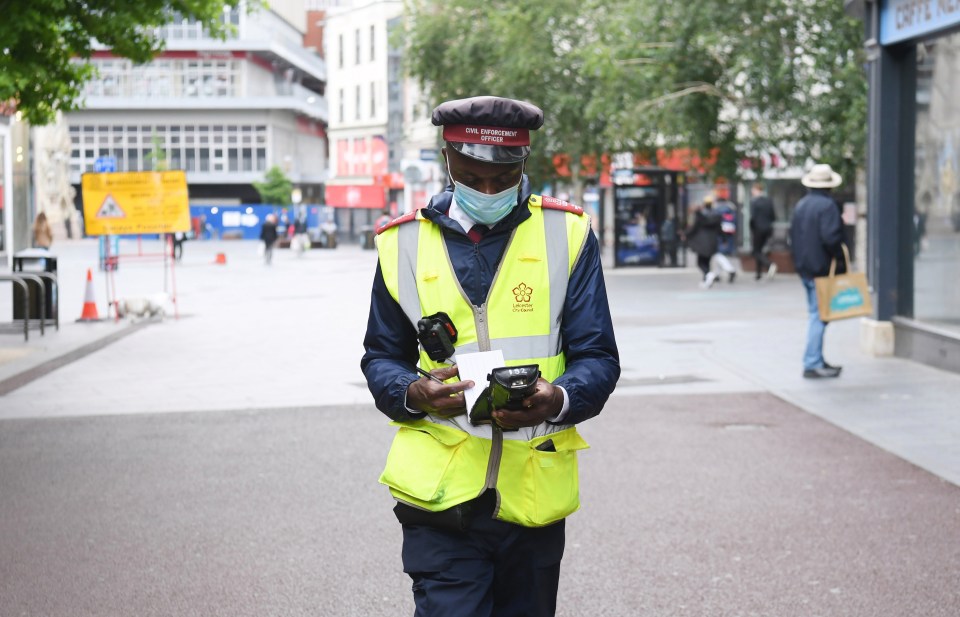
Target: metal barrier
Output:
[
  {"x": 17, "y": 280},
  {"x": 41, "y": 301},
  {"x": 55, "y": 296},
  {"x": 43, "y": 281}
]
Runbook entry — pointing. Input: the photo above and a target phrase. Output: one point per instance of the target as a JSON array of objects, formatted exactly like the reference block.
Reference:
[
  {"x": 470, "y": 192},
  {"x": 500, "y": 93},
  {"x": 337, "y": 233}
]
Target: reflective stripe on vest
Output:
[
  {"x": 520, "y": 316},
  {"x": 523, "y": 309}
]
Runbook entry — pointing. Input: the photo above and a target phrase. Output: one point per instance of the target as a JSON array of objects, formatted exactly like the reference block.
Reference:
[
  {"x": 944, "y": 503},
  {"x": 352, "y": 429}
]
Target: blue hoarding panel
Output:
[{"x": 244, "y": 221}]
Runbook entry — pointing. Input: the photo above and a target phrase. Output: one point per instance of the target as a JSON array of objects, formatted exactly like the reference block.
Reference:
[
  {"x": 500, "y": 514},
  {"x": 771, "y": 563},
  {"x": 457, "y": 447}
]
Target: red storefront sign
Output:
[
  {"x": 354, "y": 196},
  {"x": 392, "y": 180}
]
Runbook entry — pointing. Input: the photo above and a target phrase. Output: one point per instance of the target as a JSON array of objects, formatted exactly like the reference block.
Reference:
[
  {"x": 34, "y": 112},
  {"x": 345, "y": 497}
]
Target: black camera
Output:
[
  {"x": 437, "y": 334},
  {"x": 507, "y": 387}
]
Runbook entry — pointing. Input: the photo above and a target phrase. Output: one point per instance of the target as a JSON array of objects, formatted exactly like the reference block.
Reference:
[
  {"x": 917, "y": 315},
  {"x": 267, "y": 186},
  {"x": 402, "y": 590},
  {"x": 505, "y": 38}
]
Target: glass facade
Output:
[
  {"x": 185, "y": 29},
  {"x": 118, "y": 77},
  {"x": 936, "y": 247}
]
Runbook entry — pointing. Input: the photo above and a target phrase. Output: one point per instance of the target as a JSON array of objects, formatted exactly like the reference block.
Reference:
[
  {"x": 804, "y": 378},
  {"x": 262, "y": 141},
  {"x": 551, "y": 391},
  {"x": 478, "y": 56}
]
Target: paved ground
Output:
[{"x": 225, "y": 463}]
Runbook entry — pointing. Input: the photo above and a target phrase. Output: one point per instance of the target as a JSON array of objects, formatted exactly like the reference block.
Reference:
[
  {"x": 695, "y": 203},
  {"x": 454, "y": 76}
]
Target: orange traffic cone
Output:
[
  {"x": 221, "y": 258},
  {"x": 89, "y": 304}
]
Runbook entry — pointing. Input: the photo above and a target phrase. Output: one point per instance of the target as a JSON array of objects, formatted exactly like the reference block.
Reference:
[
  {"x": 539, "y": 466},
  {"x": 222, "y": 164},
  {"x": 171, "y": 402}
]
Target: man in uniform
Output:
[{"x": 482, "y": 506}]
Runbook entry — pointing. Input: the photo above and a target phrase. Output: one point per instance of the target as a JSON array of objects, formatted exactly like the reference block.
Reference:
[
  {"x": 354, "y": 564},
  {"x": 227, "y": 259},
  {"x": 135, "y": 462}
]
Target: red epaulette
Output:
[
  {"x": 409, "y": 216},
  {"x": 553, "y": 203}
]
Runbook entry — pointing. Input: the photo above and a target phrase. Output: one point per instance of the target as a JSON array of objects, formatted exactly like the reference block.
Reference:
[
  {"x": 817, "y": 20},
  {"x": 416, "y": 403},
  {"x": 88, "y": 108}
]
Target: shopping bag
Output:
[{"x": 842, "y": 296}]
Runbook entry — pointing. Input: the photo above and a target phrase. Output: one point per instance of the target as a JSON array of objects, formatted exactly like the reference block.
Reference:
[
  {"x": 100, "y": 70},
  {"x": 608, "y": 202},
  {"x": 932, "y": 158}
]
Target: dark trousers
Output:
[
  {"x": 492, "y": 569},
  {"x": 669, "y": 253},
  {"x": 760, "y": 239},
  {"x": 703, "y": 262}
]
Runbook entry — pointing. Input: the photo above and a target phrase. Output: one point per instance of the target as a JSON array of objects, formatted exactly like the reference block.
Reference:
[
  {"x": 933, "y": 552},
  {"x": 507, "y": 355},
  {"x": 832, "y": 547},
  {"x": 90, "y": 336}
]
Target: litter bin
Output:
[
  {"x": 330, "y": 239},
  {"x": 35, "y": 260},
  {"x": 366, "y": 237}
]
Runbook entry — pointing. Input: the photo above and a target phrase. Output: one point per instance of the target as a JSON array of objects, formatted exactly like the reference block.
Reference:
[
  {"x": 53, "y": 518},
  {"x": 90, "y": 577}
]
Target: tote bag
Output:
[{"x": 842, "y": 296}]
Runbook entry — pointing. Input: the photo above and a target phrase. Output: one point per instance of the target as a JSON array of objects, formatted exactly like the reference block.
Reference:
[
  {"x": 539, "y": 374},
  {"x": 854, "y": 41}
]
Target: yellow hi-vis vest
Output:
[{"x": 436, "y": 463}]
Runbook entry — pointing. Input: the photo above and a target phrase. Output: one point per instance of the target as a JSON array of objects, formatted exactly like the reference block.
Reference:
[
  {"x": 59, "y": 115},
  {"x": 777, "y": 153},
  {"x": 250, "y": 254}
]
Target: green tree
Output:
[
  {"x": 528, "y": 50},
  {"x": 45, "y": 44},
  {"x": 157, "y": 157},
  {"x": 739, "y": 76},
  {"x": 276, "y": 187},
  {"x": 735, "y": 77}
]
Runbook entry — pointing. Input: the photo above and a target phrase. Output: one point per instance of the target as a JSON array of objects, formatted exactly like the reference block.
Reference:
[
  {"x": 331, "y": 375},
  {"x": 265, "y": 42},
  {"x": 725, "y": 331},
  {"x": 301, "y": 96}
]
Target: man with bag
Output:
[{"x": 816, "y": 239}]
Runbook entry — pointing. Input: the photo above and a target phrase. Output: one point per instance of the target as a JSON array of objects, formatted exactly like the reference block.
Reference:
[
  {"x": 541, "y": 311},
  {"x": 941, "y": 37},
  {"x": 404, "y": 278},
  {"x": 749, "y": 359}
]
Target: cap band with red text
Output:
[{"x": 490, "y": 135}]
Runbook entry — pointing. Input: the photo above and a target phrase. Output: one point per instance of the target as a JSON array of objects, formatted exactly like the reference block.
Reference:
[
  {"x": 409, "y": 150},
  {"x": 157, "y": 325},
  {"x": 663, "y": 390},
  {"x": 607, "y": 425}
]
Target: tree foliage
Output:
[
  {"x": 528, "y": 50},
  {"x": 276, "y": 187},
  {"x": 44, "y": 44},
  {"x": 735, "y": 78}
]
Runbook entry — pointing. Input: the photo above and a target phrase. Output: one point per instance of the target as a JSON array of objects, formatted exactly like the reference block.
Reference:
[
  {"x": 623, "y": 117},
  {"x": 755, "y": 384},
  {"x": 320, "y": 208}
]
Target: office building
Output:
[{"x": 224, "y": 111}]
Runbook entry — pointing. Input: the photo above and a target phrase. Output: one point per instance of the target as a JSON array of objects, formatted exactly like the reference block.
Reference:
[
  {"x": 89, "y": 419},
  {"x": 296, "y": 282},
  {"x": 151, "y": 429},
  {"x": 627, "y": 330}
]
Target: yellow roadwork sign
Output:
[{"x": 136, "y": 202}]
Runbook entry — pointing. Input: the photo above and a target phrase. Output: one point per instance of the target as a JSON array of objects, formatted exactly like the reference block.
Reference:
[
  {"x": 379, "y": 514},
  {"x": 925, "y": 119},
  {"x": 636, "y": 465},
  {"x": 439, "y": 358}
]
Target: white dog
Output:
[{"x": 143, "y": 307}]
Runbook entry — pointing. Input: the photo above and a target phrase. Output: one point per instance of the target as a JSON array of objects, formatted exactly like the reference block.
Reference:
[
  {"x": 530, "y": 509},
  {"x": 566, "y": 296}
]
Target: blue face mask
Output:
[{"x": 482, "y": 208}]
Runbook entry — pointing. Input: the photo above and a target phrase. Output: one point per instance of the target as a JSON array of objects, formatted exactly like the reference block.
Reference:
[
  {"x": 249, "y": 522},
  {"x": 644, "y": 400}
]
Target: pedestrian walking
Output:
[
  {"x": 727, "y": 244},
  {"x": 268, "y": 235},
  {"x": 483, "y": 529},
  {"x": 178, "y": 239},
  {"x": 703, "y": 237},
  {"x": 382, "y": 220},
  {"x": 300, "y": 240},
  {"x": 816, "y": 238},
  {"x": 42, "y": 234},
  {"x": 669, "y": 240},
  {"x": 762, "y": 217}
]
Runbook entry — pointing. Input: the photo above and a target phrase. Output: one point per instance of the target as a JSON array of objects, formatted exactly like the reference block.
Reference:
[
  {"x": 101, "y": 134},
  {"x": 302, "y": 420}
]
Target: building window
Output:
[
  {"x": 342, "y": 98},
  {"x": 191, "y": 148},
  {"x": 359, "y": 105},
  {"x": 373, "y": 99},
  {"x": 373, "y": 43},
  {"x": 340, "y": 53},
  {"x": 182, "y": 28},
  {"x": 357, "y": 55}
]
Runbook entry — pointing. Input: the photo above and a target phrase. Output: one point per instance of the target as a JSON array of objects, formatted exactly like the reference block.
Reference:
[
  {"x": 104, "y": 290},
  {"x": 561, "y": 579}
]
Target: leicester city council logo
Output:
[{"x": 522, "y": 292}]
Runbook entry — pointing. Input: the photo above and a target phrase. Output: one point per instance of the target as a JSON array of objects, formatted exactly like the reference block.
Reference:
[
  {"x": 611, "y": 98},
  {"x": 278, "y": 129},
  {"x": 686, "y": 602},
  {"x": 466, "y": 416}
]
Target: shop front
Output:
[
  {"x": 913, "y": 172},
  {"x": 357, "y": 206}
]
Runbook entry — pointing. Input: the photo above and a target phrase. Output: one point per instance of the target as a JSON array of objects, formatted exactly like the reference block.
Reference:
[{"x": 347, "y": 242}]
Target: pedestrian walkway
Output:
[
  {"x": 290, "y": 335},
  {"x": 227, "y": 462}
]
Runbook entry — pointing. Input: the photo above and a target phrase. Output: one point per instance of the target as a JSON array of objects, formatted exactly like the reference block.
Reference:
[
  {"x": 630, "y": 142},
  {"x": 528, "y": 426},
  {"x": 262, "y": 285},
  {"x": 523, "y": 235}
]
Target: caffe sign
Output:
[{"x": 901, "y": 20}]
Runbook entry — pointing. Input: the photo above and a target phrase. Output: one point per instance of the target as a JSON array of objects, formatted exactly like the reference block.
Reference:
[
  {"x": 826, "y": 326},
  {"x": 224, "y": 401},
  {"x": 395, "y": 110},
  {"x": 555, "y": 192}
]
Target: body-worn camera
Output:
[
  {"x": 437, "y": 334},
  {"x": 506, "y": 388}
]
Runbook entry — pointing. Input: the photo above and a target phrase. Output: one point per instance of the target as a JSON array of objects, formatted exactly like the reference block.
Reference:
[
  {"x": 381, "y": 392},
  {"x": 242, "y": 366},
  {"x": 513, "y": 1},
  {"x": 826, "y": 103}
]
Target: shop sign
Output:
[{"x": 901, "y": 20}]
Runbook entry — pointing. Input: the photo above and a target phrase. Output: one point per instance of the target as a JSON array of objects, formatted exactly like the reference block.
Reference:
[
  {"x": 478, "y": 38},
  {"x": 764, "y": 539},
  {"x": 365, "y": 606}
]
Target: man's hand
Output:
[
  {"x": 439, "y": 399},
  {"x": 545, "y": 403}
]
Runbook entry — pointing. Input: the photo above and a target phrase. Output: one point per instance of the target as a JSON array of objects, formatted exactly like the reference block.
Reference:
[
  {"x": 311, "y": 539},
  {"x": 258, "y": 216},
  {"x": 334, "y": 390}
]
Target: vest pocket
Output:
[
  {"x": 538, "y": 481},
  {"x": 434, "y": 467}
]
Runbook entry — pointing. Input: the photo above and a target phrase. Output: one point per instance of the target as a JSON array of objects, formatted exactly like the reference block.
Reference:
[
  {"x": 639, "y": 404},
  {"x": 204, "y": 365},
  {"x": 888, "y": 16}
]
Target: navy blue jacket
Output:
[
  {"x": 816, "y": 235},
  {"x": 593, "y": 362}
]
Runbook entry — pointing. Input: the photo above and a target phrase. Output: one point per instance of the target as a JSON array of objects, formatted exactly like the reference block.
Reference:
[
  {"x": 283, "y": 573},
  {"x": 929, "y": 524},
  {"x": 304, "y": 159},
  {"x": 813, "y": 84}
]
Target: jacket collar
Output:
[{"x": 436, "y": 211}]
